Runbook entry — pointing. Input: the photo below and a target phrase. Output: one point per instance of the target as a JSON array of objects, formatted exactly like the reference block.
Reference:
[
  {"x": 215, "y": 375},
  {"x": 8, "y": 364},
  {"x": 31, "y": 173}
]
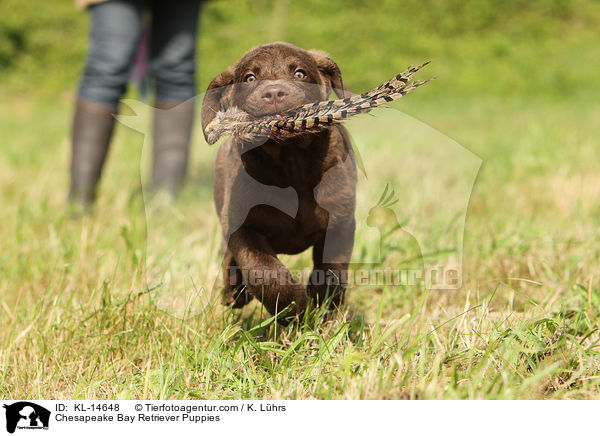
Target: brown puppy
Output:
[{"x": 285, "y": 194}]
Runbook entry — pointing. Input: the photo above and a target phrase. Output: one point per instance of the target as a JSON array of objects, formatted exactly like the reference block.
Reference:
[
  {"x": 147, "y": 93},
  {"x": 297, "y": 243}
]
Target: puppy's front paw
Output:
[{"x": 283, "y": 297}]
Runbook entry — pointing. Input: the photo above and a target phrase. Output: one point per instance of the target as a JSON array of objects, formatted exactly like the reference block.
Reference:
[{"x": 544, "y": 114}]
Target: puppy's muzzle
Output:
[{"x": 274, "y": 95}]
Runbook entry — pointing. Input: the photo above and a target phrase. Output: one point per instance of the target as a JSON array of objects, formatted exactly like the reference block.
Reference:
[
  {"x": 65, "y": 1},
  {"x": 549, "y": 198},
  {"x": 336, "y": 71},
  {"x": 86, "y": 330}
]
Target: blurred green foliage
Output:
[
  {"x": 42, "y": 44},
  {"x": 546, "y": 48}
]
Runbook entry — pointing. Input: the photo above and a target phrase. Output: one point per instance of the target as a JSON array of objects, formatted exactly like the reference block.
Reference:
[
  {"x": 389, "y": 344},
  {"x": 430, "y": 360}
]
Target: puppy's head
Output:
[{"x": 271, "y": 79}]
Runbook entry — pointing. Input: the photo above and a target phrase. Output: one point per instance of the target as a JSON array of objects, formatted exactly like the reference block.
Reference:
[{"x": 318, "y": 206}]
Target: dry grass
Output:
[{"x": 121, "y": 305}]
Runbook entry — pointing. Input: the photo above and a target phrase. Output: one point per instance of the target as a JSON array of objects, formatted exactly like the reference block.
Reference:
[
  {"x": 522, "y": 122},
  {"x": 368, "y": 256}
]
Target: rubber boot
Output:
[
  {"x": 172, "y": 132},
  {"x": 93, "y": 126}
]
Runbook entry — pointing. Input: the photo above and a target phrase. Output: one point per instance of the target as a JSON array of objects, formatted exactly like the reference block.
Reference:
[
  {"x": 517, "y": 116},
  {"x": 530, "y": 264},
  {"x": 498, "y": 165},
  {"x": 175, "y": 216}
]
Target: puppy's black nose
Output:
[{"x": 274, "y": 94}]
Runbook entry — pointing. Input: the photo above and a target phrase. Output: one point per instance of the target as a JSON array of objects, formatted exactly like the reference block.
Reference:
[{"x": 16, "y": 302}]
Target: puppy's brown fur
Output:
[{"x": 282, "y": 215}]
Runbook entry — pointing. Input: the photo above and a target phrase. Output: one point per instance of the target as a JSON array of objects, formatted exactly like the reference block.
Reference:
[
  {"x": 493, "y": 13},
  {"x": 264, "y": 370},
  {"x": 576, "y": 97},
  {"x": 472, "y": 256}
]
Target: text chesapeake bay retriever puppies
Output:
[{"x": 285, "y": 194}]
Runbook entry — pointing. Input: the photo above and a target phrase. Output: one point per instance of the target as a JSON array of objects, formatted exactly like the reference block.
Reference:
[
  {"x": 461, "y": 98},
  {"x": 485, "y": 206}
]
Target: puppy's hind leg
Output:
[
  {"x": 331, "y": 257},
  {"x": 235, "y": 293}
]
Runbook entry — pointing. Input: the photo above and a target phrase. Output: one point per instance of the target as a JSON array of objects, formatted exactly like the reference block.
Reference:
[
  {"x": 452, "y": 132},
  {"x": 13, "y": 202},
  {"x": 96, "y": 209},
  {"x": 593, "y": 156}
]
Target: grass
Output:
[{"x": 87, "y": 313}]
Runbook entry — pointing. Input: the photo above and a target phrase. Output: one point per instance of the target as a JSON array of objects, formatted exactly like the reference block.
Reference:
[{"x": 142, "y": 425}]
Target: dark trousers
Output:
[{"x": 116, "y": 30}]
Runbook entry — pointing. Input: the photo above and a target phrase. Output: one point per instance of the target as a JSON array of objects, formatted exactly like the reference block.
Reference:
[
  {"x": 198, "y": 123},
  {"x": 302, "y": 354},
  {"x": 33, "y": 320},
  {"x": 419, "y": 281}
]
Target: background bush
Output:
[{"x": 544, "y": 49}]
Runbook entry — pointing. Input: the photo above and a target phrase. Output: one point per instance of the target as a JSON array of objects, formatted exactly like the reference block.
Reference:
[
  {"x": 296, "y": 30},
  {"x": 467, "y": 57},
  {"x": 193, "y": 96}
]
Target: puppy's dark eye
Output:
[
  {"x": 250, "y": 78},
  {"x": 299, "y": 74}
]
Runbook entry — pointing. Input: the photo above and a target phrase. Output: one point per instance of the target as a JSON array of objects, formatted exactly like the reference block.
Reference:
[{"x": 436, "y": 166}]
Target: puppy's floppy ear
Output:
[
  {"x": 217, "y": 97},
  {"x": 331, "y": 72}
]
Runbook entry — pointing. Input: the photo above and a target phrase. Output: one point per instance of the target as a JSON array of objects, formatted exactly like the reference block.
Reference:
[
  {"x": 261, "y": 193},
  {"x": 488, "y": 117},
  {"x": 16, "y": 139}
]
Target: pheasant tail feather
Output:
[{"x": 312, "y": 116}]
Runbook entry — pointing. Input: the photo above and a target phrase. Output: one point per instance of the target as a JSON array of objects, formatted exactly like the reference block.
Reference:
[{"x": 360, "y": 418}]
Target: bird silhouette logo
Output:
[{"x": 392, "y": 235}]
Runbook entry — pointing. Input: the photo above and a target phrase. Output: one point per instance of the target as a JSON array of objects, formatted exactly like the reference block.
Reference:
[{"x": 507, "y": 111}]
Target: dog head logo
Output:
[
  {"x": 26, "y": 415},
  {"x": 414, "y": 228}
]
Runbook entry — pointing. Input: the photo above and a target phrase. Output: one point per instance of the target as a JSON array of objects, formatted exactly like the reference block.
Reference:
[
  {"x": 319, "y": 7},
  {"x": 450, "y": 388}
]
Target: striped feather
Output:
[{"x": 312, "y": 116}]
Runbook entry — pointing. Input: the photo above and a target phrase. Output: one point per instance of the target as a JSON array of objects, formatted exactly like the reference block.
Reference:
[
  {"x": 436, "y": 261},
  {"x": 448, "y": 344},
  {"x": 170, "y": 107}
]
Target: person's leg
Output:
[
  {"x": 92, "y": 130},
  {"x": 173, "y": 66},
  {"x": 114, "y": 35}
]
